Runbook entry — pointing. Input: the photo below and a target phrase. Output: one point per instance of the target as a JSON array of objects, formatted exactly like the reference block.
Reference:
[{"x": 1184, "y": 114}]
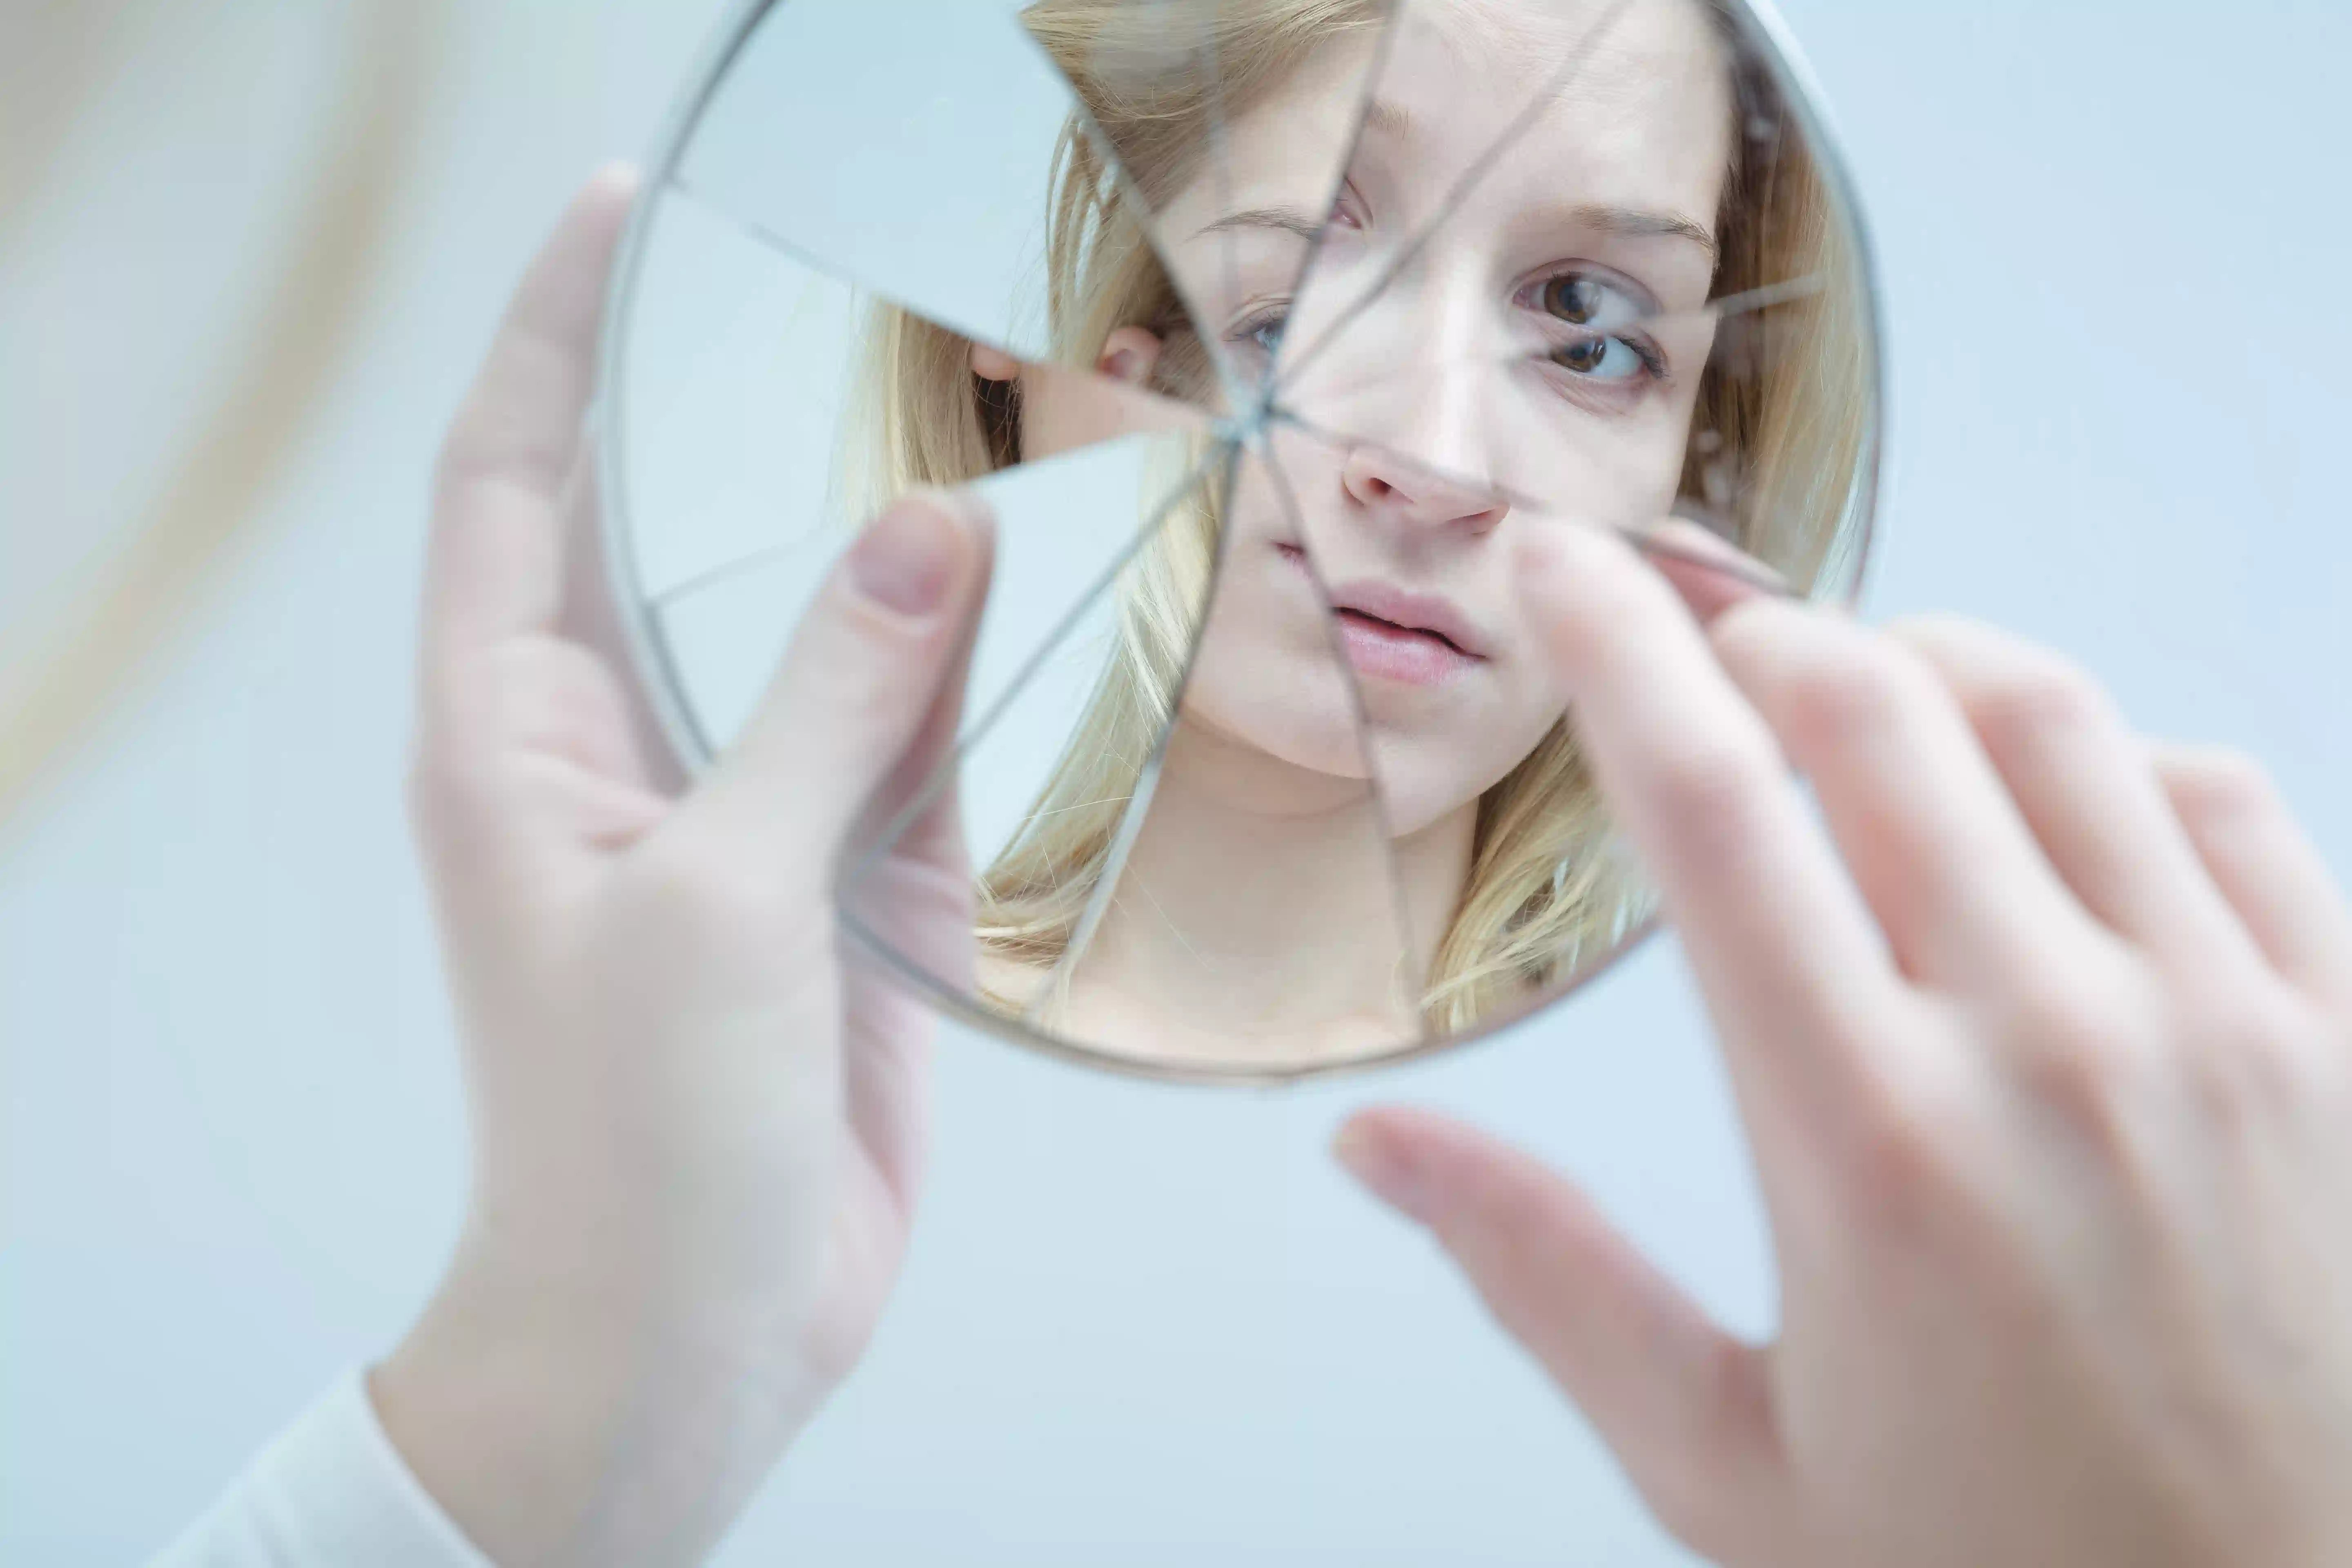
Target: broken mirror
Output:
[{"x": 1265, "y": 328}]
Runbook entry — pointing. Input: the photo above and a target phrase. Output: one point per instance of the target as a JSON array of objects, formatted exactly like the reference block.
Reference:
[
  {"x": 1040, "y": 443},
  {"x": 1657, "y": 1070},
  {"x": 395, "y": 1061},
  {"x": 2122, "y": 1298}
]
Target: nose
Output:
[{"x": 1396, "y": 487}]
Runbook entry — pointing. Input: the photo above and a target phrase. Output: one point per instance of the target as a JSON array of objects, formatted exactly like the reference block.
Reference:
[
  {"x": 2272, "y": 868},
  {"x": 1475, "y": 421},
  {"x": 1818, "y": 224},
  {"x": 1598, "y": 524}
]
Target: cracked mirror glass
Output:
[{"x": 1267, "y": 330}]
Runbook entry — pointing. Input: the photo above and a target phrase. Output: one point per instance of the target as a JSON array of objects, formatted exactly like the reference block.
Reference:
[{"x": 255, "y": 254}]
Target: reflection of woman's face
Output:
[{"x": 1490, "y": 359}]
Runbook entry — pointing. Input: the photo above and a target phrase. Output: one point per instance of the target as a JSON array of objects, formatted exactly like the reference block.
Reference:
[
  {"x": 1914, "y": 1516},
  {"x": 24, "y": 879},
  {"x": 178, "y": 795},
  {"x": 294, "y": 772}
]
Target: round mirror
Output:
[{"x": 1266, "y": 328}]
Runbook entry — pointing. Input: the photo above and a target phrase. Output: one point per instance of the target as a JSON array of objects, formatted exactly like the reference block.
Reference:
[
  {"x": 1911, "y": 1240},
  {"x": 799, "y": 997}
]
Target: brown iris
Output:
[
  {"x": 1573, "y": 299},
  {"x": 1584, "y": 355}
]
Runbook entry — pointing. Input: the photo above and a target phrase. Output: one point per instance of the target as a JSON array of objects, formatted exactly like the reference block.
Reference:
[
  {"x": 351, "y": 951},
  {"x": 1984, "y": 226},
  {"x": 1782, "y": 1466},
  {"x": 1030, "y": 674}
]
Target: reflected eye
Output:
[
  {"x": 1261, "y": 331},
  {"x": 1604, "y": 349},
  {"x": 1603, "y": 359},
  {"x": 1576, "y": 298}
]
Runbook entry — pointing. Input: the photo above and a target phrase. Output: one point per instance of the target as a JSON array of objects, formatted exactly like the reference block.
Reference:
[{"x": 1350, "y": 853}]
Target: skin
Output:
[
  {"x": 1265, "y": 826},
  {"x": 1439, "y": 406},
  {"x": 2042, "y": 1038},
  {"x": 697, "y": 1131}
]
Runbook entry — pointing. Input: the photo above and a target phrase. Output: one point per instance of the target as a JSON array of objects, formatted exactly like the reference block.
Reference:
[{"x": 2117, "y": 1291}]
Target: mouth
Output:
[{"x": 1393, "y": 635}]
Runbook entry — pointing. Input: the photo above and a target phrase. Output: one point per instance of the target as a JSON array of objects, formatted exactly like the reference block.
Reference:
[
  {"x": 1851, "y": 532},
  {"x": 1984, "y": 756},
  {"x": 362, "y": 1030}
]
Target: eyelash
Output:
[
  {"x": 1653, "y": 360},
  {"x": 1275, "y": 316}
]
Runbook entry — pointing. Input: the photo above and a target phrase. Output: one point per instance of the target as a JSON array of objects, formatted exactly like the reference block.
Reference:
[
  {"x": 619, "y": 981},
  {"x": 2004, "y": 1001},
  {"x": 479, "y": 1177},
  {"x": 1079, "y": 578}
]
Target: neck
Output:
[{"x": 1266, "y": 912}]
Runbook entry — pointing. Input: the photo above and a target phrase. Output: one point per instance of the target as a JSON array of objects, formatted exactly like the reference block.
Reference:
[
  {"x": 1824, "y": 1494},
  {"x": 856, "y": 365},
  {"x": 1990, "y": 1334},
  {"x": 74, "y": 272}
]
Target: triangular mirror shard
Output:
[
  {"x": 1245, "y": 916},
  {"x": 770, "y": 409},
  {"x": 1104, "y": 562},
  {"x": 1216, "y": 134},
  {"x": 919, "y": 173}
]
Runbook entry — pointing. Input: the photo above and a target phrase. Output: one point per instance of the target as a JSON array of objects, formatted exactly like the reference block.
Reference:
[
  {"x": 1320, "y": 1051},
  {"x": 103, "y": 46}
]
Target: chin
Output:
[
  {"x": 1321, "y": 742},
  {"x": 1301, "y": 737},
  {"x": 1414, "y": 800},
  {"x": 1427, "y": 774}
]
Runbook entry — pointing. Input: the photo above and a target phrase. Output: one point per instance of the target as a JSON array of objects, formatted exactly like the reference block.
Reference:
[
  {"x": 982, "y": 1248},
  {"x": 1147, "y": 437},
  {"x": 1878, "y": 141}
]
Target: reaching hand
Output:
[
  {"x": 698, "y": 1137},
  {"x": 2045, "y": 1055}
]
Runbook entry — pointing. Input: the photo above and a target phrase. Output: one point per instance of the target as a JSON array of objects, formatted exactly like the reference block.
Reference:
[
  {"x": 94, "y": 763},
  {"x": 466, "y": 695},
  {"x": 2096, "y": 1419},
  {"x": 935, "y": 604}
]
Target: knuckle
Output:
[
  {"x": 1832, "y": 705},
  {"x": 1520, "y": 1211},
  {"x": 2042, "y": 696},
  {"x": 1744, "y": 634},
  {"x": 1601, "y": 628},
  {"x": 2219, "y": 784},
  {"x": 1709, "y": 792},
  {"x": 490, "y": 441},
  {"x": 1835, "y": 709},
  {"x": 1908, "y": 1132},
  {"x": 1900, "y": 1160},
  {"x": 2085, "y": 1046},
  {"x": 2251, "y": 1056}
]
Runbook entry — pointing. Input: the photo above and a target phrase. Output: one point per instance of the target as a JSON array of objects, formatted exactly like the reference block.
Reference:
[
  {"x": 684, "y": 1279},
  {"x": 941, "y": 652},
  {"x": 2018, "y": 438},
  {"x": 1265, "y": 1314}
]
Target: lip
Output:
[{"x": 1393, "y": 634}]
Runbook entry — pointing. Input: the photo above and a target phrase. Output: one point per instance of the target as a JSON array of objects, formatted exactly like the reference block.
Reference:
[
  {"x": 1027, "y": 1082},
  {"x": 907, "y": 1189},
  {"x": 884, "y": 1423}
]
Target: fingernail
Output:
[
  {"x": 1392, "y": 1174},
  {"x": 906, "y": 559}
]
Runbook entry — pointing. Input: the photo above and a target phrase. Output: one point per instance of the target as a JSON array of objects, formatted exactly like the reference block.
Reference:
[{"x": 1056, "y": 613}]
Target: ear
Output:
[{"x": 1128, "y": 355}]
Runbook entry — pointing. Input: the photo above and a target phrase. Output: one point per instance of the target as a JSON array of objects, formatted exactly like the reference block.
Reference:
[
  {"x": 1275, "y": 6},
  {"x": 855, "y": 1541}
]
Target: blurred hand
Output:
[
  {"x": 698, "y": 1138},
  {"x": 2045, "y": 1053}
]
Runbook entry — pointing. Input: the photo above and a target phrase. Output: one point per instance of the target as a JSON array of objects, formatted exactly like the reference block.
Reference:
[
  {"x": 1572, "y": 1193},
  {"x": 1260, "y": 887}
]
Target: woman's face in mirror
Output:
[
  {"x": 1489, "y": 360},
  {"x": 1328, "y": 309}
]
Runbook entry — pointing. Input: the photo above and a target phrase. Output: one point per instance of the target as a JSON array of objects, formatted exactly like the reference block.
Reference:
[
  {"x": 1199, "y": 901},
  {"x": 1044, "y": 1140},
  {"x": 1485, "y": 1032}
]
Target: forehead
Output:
[
  {"x": 1602, "y": 101},
  {"x": 1605, "y": 100}
]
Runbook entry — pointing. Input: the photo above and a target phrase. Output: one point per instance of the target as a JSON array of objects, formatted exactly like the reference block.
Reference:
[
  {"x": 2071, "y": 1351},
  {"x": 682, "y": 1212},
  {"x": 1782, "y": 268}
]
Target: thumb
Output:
[
  {"x": 1685, "y": 1406},
  {"x": 855, "y": 686}
]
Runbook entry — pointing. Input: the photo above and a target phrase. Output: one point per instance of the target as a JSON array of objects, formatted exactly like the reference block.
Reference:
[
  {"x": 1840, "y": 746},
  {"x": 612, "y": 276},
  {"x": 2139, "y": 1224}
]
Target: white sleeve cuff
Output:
[{"x": 330, "y": 1490}]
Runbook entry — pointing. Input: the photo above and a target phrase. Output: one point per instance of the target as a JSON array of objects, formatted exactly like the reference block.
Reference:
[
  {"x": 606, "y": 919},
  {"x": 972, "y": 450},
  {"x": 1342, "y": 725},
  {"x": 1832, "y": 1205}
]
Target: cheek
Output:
[
  {"x": 1272, "y": 683},
  {"x": 1062, "y": 412},
  {"x": 1623, "y": 474}
]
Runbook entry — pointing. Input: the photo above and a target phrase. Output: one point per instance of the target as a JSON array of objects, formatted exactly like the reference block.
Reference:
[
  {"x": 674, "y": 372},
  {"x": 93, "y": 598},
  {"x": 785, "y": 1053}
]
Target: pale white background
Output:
[{"x": 1139, "y": 1325}]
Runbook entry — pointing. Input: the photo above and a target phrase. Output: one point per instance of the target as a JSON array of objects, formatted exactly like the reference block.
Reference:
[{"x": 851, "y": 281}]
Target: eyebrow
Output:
[
  {"x": 1635, "y": 223},
  {"x": 1290, "y": 220},
  {"x": 1394, "y": 119},
  {"x": 1388, "y": 118},
  {"x": 1631, "y": 223}
]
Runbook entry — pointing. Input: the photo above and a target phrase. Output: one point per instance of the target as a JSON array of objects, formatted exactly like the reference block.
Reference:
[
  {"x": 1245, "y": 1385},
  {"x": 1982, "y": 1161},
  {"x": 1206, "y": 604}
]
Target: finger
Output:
[
  {"x": 935, "y": 837},
  {"x": 1781, "y": 945},
  {"x": 1685, "y": 1407},
  {"x": 857, "y": 684},
  {"x": 2083, "y": 782},
  {"x": 2265, "y": 867},
  {"x": 1710, "y": 572},
  {"x": 1962, "y": 892},
  {"x": 496, "y": 560},
  {"x": 918, "y": 900}
]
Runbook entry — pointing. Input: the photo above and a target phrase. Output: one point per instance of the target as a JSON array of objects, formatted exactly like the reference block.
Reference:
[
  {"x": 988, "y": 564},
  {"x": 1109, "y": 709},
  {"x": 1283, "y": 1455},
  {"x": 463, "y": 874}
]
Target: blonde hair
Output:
[{"x": 1778, "y": 442}]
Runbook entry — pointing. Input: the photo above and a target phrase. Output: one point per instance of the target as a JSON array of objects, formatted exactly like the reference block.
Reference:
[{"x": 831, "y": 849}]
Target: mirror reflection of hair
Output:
[
  {"x": 1782, "y": 449},
  {"x": 56, "y": 61}
]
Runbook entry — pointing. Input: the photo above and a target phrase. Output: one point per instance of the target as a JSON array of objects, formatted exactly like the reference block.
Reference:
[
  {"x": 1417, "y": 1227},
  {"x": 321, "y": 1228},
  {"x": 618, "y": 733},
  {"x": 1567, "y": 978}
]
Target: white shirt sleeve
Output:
[{"x": 330, "y": 1490}]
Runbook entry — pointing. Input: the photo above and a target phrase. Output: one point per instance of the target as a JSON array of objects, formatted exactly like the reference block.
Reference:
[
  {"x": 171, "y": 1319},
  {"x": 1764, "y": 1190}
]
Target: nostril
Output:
[{"x": 1386, "y": 484}]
